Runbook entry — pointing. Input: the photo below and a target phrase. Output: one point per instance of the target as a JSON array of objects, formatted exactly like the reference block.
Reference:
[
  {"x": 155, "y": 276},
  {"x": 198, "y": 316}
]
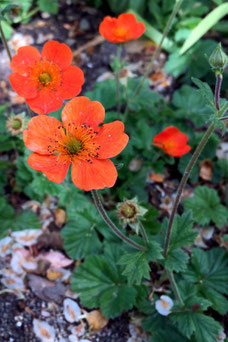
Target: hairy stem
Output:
[
  {"x": 184, "y": 181},
  {"x": 167, "y": 29},
  {"x": 191, "y": 164},
  {"x": 118, "y": 79},
  {"x": 5, "y": 42},
  {"x": 109, "y": 222},
  {"x": 175, "y": 287},
  {"x": 143, "y": 233},
  {"x": 217, "y": 89}
]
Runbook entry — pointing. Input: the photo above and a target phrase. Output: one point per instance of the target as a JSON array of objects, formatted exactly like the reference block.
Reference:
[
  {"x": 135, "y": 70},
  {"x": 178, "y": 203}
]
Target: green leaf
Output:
[
  {"x": 80, "y": 236},
  {"x": 209, "y": 271},
  {"x": 49, "y": 6},
  {"x": 182, "y": 233},
  {"x": 104, "y": 92},
  {"x": 206, "y": 207},
  {"x": 145, "y": 99},
  {"x": 136, "y": 264},
  {"x": 100, "y": 284},
  {"x": 42, "y": 186},
  {"x": 205, "y": 91},
  {"x": 26, "y": 220},
  {"x": 219, "y": 302},
  {"x": 189, "y": 103},
  {"x": 160, "y": 328},
  {"x": 205, "y": 25},
  {"x": 10, "y": 221},
  {"x": 176, "y": 260},
  {"x": 222, "y": 164},
  {"x": 193, "y": 63},
  {"x": 6, "y": 143},
  {"x": 8, "y": 8},
  {"x": 205, "y": 328}
]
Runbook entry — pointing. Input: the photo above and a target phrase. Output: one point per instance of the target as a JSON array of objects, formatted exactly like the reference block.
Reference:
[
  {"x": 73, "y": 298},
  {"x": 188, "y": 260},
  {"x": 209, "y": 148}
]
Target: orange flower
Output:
[
  {"x": 172, "y": 141},
  {"x": 80, "y": 141},
  {"x": 121, "y": 29},
  {"x": 45, "y": 79}
]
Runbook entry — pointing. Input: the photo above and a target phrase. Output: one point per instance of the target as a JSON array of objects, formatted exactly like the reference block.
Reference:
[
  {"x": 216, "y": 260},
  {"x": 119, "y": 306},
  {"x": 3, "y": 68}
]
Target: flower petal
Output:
[
  {"x": 112, "y": 139},
  {"x": 25, "y": 57},
  {"x": 179, "y": 152},
  {"x": 72, "y": 81},
  {"x": 135, "y": 29},
  {"x": 41, "y": 132},
  {"x": 165, "y": 134},
  {"x": 45, "y": 102},
  {"x": 81, "y": 110},
  {"x": 98, "y": 175},
  {"x": 23, "y": 86},
  {"x": 49, "y": 165},
  {"x": 58, "y": 53}
]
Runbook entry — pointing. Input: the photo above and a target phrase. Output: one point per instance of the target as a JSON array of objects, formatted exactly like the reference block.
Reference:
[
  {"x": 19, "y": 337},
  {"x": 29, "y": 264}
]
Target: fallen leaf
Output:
[
  {"x": 56, "y": 259},
  {"x": 206, "y": 170},
  {"x": 44, "y": 331},
  {"x": 45, "y": 289},
  {"x": 96, "y": 320},
  {"x": 60, "y": 217},
  {"x": 156, "y": 177}
]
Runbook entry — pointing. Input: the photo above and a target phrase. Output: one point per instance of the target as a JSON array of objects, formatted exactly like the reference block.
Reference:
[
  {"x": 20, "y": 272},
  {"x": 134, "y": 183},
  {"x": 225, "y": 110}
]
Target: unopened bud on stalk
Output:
[{"x": 218, "y": 60}]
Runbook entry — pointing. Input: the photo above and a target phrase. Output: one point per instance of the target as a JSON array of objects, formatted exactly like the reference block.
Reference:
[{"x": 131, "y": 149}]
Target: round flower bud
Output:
[{"x": 218, "y": 59}]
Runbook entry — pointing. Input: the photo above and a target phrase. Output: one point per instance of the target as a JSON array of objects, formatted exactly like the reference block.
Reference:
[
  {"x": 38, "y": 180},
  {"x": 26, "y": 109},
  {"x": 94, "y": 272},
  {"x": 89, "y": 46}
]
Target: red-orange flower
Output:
[
  {"x": 172, "y": 141},
  {"x": 121, "y": 29},
  {"x": 45, "y": 79},
  {"x": 80, "y": 140}
]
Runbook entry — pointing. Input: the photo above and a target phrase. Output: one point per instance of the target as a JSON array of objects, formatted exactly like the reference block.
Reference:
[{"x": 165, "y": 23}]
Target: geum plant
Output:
[{"x": 119, "y": 278}]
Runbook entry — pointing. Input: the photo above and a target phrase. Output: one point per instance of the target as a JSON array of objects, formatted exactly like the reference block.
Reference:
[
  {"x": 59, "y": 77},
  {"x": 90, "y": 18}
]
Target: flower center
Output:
[
  {"x": 120, "y": 32},
  {"x": 128, "y": 210},
  {"x": 73, "y": 145},
  {"x": 16, "y": 124},
  {"x": 45, "y": 78}
]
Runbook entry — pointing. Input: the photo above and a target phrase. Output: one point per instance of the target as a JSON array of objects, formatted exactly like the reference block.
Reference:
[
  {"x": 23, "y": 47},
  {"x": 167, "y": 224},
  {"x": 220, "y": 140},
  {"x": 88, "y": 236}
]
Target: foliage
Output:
[
  {"x": 10, "y": 220},
  {"x": 100, "y": 282},
  {"x": 209, "y": 271},
  {"x": 206, "y": 207}
]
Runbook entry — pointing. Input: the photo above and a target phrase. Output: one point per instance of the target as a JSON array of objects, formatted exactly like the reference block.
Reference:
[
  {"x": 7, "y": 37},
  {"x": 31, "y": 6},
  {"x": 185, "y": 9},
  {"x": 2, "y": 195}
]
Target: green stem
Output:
[
  {"x": 143, "y": 232},
  {"x": 167, "y": 29},
  {"x": 10, "y": 58},
  {"x": 184, "y": 181},
  {"x": 109, "y": 222},
  {"x": 175, "y": 287},
  {"x": 118, "y": 79},
  {"x": 5, "y": 42},
  {"x": 191, "y": 163}
]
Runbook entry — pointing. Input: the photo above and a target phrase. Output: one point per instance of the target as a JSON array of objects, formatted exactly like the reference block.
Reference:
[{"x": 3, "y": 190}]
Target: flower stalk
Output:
[
  {"x": 117, "y": 75},
  {"x": 157, "y": 51},
  {"x": 175, "y": 288},
  {"x": 109, "y": 222},
  {"x": 5, "y": 42},
  {"x": 217, "y": 89},
  {"x": 191, "y": 163}
]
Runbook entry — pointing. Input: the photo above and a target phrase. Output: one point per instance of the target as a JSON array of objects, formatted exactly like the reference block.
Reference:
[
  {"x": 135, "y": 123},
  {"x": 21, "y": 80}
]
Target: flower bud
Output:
[{"x": 218, "y": 60}]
